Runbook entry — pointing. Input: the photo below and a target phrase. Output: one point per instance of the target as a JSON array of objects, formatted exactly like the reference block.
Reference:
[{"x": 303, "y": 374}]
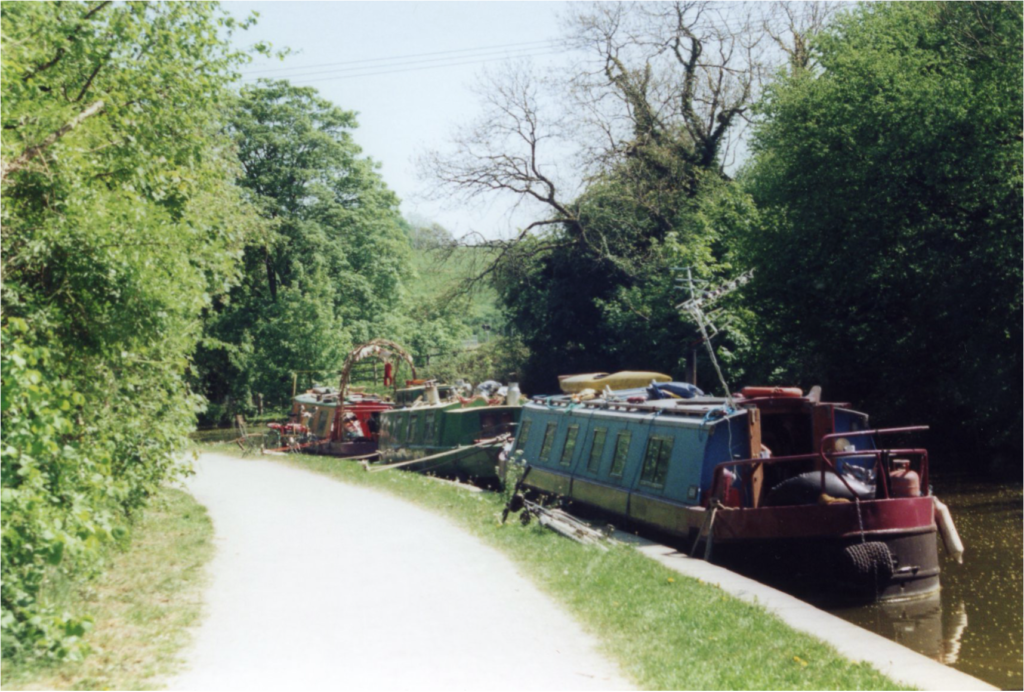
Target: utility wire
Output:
[
  {"x": 300, "y": 80},
  {"x": 443, "y": 61},
  {"x": 412, "y": 56}
]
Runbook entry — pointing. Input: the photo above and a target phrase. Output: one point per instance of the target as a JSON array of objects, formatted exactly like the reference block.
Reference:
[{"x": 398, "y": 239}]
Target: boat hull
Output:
[
  {"x": 479, "y": 465},
  {"x": 343, "y": 450},
  {"x": 888, "y": 551},
  {"x": 873, "y": 550}
]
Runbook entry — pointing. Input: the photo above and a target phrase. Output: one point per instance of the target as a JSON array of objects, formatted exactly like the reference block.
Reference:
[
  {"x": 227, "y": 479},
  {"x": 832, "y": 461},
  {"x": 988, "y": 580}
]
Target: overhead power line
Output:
[
  {"x": 416, "y": 64},
  {"x": 413, "y": 68},
  {"x": 528, "y": 45}
]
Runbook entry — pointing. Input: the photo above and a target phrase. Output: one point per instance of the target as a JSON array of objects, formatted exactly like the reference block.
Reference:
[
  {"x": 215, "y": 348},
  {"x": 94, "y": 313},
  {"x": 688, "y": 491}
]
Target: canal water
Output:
[{"x": 975, "y": 623}]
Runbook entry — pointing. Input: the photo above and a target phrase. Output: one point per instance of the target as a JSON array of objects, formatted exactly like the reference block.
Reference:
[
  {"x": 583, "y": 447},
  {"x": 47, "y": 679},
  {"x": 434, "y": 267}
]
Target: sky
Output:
[{"x": 407, "y": 69}]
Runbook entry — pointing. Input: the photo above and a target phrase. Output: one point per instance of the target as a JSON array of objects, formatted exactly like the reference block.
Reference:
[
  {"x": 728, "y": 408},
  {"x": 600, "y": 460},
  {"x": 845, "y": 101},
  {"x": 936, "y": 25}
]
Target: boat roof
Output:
[
  {"x": 331, "y": 399},
  {"x": 454, "y": 407},
  {"x": 698, "y": 406}
]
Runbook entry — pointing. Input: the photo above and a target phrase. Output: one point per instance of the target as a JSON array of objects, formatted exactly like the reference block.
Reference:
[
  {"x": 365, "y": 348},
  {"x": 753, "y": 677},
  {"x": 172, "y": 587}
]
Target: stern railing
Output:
[{"x": 827, "y": 458}]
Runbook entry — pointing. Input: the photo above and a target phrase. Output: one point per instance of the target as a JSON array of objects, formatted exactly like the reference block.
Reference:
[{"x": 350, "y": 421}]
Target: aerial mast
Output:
[{"x": 700, "y": 298}]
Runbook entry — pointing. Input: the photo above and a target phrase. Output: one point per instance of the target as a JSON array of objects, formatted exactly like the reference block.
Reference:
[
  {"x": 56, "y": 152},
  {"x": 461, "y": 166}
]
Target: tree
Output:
[
  {"x": 650, "y": 109},
  {"x": 889, "y": 183},
  {"x": 427, "y": 235},
  {"x": 331, "y": 255},
  {"x": 119, "y": 222}
]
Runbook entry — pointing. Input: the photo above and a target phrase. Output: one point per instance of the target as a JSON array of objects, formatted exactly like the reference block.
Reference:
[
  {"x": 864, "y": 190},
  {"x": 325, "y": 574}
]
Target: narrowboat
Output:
[
  {"x": 772, "y": 483},
  {"x": 434, "y": 430},
  {"x": 332, "y": 429},
  {"x": 344, "y": 422}
]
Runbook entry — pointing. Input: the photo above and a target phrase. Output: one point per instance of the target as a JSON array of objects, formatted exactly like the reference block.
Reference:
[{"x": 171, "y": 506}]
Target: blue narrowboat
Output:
[{"x": 772, "y": 483}]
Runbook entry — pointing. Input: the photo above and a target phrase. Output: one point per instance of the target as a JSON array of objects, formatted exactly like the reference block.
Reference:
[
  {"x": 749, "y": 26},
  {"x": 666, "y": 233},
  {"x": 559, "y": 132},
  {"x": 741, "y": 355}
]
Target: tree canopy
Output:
[
  {"x": 888, "y": 181},
  {"x": 328, "y": 263},
  {"x": 119, "y": 223}
]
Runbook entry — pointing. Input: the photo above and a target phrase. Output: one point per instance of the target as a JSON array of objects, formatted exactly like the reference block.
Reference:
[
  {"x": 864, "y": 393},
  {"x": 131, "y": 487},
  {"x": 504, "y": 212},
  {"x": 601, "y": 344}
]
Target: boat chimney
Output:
[
  {"x": 512, "y": 397},
  {"x": 430, "y": 390}
]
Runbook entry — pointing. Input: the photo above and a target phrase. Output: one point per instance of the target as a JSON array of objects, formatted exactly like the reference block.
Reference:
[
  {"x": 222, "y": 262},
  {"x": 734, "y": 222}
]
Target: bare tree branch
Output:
[{"x": 792, "y": 25}]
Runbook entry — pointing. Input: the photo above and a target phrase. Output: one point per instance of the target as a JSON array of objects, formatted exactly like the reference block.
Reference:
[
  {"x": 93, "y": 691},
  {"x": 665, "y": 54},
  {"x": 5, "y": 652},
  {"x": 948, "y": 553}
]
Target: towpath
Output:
[{"x": 321, "y": 585}]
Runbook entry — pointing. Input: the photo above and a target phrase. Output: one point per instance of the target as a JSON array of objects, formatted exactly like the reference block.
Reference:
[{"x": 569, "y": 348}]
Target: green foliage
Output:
[
  {"x": 327, "y": 267},
  {"x": 139, "y": 623},
  {"x": 889, "y": 248},
  {"x": 427, "y": 236},
  {"x": 603, "y": 298},
  {"x": 119, "y": 223}
]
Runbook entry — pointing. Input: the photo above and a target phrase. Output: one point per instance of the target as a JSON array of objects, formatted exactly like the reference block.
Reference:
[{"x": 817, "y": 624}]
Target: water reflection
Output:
[
  {"x": 975, "y": 623},
  {"x": 917, "y": 624}
]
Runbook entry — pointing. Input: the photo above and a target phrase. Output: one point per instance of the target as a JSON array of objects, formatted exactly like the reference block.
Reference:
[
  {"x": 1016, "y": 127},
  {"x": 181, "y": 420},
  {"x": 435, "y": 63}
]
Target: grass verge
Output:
[
  {"x": 665, "y": 630},
  {"x": 141, "y": 606}
]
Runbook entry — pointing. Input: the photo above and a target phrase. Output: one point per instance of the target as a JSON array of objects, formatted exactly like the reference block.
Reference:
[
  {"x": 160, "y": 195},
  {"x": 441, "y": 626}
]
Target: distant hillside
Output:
[{"x": 441, "y": 278}]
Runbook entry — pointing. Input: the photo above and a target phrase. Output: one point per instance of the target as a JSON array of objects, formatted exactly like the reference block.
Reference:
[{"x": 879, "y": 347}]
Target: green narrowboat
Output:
[{"x": 453, "y": 439}]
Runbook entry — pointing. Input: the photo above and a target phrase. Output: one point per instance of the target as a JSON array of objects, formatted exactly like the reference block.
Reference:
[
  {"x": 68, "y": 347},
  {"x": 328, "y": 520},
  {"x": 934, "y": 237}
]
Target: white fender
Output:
[{"x": 950, "y": 537}]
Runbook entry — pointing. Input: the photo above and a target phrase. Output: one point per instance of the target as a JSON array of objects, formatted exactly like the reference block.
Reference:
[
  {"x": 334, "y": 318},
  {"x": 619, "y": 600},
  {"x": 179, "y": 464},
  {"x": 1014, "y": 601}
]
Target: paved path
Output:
[{"x": 321, "y": 585}]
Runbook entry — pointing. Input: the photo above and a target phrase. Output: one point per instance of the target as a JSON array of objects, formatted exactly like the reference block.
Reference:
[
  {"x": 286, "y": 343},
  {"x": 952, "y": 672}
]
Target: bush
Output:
[{"x": 71, "y": 479}]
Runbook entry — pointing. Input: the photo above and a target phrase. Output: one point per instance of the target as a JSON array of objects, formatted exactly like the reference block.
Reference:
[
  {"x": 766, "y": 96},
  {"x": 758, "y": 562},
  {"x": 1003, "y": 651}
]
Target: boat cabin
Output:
[
  {"x": 408, "y": 433},
  {"x": 632, "y": 458}
]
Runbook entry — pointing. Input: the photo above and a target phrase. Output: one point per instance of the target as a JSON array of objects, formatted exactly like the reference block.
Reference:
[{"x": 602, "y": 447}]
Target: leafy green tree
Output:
[
  {"x": 119, "y": 222},
  {"x": 652, "y": 109},
  {"x": 889, "y": 252},
  {"x": 428, "y": 235},
  {"x": 581, "y": 309},
  {"x": 329, "y": 261}
]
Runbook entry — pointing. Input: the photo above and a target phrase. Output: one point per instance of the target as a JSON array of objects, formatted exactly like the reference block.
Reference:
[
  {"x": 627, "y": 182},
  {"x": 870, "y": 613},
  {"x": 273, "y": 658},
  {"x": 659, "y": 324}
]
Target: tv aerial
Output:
[{"x": 700, "y": 298}]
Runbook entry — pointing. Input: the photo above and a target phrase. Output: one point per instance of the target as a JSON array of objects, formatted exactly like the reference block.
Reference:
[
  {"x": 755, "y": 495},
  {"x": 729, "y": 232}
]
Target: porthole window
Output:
[
  {"x": 656, "y": 459},
  {"x": 524, "y": 435},
  {"x": 428, "y": 427}
]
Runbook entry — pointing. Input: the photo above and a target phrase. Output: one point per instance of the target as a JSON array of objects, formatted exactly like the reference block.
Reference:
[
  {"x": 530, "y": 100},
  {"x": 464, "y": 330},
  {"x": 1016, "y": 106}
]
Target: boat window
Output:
[
  {"x": 415, "y": 431},
  {"x": 596, "y": 449},
  {"x": 494, "y": 423},
  {"x": 428, "y": 426},
  {"x": 323, "y": 427},
  {"x": 570, "y": 445},
  {"x": 488, "y": 423},
  {"x": 524, "y": 434},
  {"x": 656, "y": 458},
  {"x": 400, "y": 429},
  {"x": 621, "y": 452},
  {"x": 549, "y": 438}
]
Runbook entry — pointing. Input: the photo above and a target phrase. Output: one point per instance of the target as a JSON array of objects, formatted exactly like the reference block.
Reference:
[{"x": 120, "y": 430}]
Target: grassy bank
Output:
[
  {"x": 141, "y": 606},
  {"x": 666, "y": 631}
]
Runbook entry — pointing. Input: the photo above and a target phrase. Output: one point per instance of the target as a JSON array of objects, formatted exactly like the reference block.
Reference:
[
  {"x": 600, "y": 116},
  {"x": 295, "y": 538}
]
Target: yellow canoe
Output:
[{"x": 628, "y": 379}]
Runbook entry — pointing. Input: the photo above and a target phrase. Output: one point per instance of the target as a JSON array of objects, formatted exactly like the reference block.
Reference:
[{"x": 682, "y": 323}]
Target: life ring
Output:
[{"x": 772, "y": 392}]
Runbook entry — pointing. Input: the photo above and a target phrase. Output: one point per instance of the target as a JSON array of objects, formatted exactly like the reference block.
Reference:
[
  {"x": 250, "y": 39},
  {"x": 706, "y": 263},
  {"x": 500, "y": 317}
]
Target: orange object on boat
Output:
[{"x": 771, "y": 392}]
